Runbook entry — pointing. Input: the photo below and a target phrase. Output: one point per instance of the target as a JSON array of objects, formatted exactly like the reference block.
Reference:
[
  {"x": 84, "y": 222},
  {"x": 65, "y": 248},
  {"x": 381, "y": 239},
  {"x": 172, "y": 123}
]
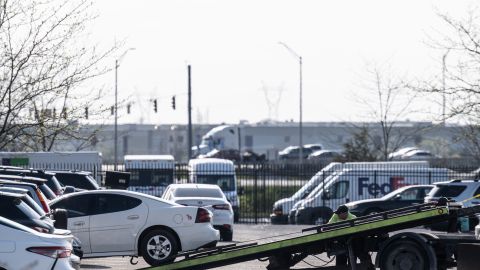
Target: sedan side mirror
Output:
[{"x": 398, "y": 197}]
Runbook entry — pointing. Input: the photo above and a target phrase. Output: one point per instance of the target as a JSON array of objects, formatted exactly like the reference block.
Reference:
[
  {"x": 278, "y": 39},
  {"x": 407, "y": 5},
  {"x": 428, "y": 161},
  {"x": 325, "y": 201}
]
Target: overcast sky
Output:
[{"x": 233, "y": 48}]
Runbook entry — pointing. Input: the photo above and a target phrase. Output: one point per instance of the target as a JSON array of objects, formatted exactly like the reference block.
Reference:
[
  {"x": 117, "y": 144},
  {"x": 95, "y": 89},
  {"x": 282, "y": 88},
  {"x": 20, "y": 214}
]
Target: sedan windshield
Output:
[{"x": 196, "y": 192}]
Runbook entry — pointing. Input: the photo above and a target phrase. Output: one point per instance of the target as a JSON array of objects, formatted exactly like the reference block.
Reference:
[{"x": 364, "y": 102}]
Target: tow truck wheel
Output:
[
  {"x": 404, "y": 255},
  {"x": 159, "y": 247}
]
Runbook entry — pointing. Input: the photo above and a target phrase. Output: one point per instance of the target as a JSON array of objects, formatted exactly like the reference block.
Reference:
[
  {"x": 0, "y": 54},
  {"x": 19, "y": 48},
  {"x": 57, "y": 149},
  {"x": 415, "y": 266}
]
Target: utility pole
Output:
[
  {"x": 300, "y": 124},
  {"x": 189, "y": 112}
]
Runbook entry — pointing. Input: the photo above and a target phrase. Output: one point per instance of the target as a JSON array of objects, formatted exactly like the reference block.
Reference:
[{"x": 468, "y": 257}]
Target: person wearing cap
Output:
[{"x": 342, "y": 214}]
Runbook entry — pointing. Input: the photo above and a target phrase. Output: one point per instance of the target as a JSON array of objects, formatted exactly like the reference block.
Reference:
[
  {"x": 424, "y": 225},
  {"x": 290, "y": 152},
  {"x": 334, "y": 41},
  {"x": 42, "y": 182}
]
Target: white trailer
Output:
[
  {"x": 150, "y": 174},
  {"x": 80, "y": 161}
]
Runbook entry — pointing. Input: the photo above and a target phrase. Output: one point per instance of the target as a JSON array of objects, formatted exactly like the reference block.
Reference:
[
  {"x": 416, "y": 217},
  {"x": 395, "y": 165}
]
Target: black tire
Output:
[
  {"x": 226, "y": 235},
  {"x": 159, "y": 247},
  {"x": 404, "y": 254},
  {"x": 61, "y": 218}
]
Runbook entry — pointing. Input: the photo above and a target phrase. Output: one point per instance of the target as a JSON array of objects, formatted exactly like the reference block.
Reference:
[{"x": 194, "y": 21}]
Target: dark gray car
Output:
[{"x": 402, "y": 197}]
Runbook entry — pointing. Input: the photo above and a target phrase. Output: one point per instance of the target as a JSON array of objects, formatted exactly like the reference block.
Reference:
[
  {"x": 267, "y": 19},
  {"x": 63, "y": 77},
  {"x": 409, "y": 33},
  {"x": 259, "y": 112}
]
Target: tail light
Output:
[
  {"x": 203, "y": 215},
  {"x": 221, "y": 206},
  {"x": 43, "y": 200},
  {"x": 52, "y": 252}
]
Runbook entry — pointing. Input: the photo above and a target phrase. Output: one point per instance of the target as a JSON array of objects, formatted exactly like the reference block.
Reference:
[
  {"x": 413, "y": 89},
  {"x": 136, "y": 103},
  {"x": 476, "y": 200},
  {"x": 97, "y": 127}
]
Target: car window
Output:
[
  {"x": 76, "y": 180},
  {"x": 110, "y": 203},
  {"x": 32, "y": 204},
  {"x": 47, "y": 192},
  {"x": 198, "y": 192},
  {"x": 449, "y": 190},
  {"x": 77, "y": 206},
  {"x": 16, "y": 209}
]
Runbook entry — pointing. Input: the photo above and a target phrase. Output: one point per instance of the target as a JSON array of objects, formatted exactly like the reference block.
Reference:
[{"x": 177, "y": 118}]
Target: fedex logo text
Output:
[{"x": 374, "y": 189}]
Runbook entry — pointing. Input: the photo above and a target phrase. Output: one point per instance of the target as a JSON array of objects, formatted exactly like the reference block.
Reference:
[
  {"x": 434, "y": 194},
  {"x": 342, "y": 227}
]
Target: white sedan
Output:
[
  {"x": 126, "y": 223},
  {"x": 24, "y": 248},
  {"x": 208, "y": 196}
]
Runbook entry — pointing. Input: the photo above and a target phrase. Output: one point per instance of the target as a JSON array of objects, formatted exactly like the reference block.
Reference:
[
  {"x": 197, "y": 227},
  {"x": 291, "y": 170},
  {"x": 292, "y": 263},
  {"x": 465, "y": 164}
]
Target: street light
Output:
[
  {"x": 117, "y": 65},
  {"x": 300, "y": 106}
]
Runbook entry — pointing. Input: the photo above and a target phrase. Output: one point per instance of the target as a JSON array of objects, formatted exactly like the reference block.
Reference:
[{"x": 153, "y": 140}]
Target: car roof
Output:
[
  {"x": 457, "y": 182},
  {"x": 10, "y": 194},
  {"x": 3, "y": 181},
  {"x": 69, "y": 172},
  {"x": 22, "y": 178},
  {"x": 194, "y": 185},
  {"x": 13, "y": 190},
  {"x": 111, "y": 191}
]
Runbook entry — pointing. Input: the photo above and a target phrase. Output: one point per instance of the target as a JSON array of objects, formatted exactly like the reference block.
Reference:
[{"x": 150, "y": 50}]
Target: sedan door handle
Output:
[
  {"x": 79, "y": 223},
  {"x": 133, "y": 217}
]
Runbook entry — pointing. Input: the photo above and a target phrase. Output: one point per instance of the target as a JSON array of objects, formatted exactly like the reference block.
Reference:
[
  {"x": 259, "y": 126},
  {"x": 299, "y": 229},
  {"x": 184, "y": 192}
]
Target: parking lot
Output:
[{"x": 241, "y": 233}]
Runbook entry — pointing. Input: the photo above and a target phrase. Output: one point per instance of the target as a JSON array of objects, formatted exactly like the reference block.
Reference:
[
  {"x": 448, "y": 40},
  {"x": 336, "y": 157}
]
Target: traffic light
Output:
[
  {"x": 155, "y": 105},
  {"x": 112, "y": 110},
  {"x": 86, "y": 112},
  {"x": 128, "y": 108},
  {"x": 173, "y": 102}
]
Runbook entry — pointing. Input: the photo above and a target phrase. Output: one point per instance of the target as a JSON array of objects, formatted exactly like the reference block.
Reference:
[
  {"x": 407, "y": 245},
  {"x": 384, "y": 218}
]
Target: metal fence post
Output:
[{"x": 255, "y": 194}]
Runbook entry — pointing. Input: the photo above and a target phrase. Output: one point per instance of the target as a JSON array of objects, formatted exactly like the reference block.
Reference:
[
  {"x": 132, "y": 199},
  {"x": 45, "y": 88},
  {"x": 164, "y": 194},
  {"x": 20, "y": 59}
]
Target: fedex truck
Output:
[
  {"x": 281, "y": 208},
  {"x": 150, "y": 174},
  {"x": 354, "y": 184},
  {"x": 81, "y": 161}
]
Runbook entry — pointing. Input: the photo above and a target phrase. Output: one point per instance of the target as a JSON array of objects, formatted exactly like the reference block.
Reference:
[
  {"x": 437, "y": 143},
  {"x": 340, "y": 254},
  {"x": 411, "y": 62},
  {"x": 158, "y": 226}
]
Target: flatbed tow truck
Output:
[{"x": 395, "y": 250}]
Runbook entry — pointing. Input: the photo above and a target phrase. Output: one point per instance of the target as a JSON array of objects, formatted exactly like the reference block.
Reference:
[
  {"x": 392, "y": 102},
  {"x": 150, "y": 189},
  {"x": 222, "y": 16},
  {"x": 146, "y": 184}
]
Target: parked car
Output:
[
  {"x": 230, "y": 154},
  {"x": 417, "y": 155},
  {"x": 40, "y": 182},
  {"x": 326, "y": 156},
  {"x": 397, "y": 155},
  {"x": 457, "y": 191},
  {"x": 33, "y": 191},
  {"x": 250, "y": 156},
  {"x": 126, "y": 223},
  {"x": 402, "y": 197},
  {"x": 210, "y": 197},
  {"x": 81, "y": 180},
  {"x": 52, "y": 181},
  {"x": 313, "y": 147},
  {"x": 28, "y": 213},
  {"x": 22, "y": 247}
]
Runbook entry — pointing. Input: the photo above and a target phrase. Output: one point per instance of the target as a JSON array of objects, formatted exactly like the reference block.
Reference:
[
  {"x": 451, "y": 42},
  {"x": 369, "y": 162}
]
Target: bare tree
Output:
[
  {"x": 43, "y": 69},
  {"x": 388, "y": 102}
]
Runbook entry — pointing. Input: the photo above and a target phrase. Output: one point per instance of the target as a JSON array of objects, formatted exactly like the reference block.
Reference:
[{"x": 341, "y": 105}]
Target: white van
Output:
[
  {"x": 354, "y": 184},
  {"x": 150, "y": 174},
  {"x": 281, "y": 208},
  {"x": 219, "y": 172}
]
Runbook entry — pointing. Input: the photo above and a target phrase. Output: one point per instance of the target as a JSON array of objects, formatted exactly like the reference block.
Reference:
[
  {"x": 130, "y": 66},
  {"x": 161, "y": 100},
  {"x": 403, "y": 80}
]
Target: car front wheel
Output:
[{"x": 159, "y": 247}]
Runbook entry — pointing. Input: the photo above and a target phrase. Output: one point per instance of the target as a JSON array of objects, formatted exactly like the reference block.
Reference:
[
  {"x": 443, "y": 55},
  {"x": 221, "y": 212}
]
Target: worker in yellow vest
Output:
[{"x": 358, "y": 245}]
